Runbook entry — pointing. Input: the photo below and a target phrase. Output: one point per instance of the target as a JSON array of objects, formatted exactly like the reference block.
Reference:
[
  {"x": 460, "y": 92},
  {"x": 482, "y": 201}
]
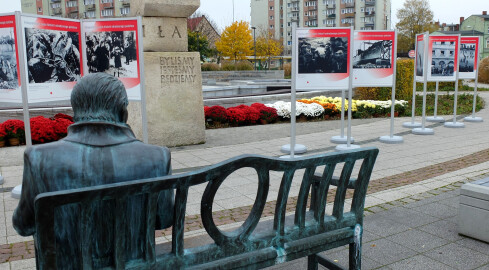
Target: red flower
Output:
[
  {"x": 258, "y": 106},
  {"x": 61, "y": 127},
  {"x": 62, "y": 115},
  {"x": 42, "y": 130},
  {"x": 252, "y": 115},
  {"x": 236, "y": 115},
  {"x": 3, "y": 133},
  {"x": 14, "y": 128},
  {"x": 216, "y": 113},
  {"x": 269, "y": 114}
]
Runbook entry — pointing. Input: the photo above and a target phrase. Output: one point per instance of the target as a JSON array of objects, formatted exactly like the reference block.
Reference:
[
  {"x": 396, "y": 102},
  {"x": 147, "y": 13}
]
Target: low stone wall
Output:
[
  {"x": 209, "y": 77},
  {"x": 235, "y": 101}
]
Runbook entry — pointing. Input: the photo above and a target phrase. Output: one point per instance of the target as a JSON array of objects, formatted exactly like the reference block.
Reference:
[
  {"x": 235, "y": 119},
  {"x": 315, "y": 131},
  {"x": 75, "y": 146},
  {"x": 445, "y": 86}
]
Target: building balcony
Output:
[
  {"x": 369, "y": 24},
  {"x": 331, "y": 6},
  {"x": 294, "y": 19},
  {"x": 90, "y": 7},
  {"x": 369, "y": 2},
  {"x": 332, "y": 16},
  {"x": 72, "y": 10},
  {"x": 370, "y": 13},
  {"x": 294, "y": 9},
  {"x": 312, "y": 17},
  {"x": 55, "y": 1},
  {"x": 109, "y": 6},
  {"x": 350, "y": 4},
  {"x": 349, "y": 15}
]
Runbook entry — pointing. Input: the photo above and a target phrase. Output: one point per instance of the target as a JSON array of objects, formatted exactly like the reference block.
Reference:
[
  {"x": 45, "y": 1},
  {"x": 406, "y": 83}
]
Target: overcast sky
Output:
[{"x": 221, "y": 11}]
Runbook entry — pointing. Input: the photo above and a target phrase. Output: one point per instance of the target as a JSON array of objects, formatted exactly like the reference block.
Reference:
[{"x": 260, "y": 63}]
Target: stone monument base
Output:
[{"x": 174, "y": 103}]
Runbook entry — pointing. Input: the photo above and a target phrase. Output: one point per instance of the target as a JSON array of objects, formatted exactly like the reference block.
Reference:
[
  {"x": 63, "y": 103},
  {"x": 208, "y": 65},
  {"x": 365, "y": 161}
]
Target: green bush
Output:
[
  {"x": 484, "y": 70},
  {"x": 404, "y": 84},
  {"x": 209, "y": 67}
]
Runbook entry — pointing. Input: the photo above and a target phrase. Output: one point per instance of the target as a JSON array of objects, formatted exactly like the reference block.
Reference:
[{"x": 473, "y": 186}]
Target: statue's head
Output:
[{"x": 99, "y": 97}]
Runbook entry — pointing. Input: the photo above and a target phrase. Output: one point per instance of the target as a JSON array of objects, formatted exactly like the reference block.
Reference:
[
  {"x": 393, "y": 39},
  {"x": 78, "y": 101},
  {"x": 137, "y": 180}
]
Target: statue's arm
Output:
[
  {"x": 24, "y": 218},
  {"x": 166, "y": 199}
]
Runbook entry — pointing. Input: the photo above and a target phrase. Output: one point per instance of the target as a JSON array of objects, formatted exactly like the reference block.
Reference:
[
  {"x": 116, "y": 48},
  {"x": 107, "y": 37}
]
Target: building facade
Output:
[
  {"x": 78, "y": 9},
  {"x": 278, "y": 16},
  {"x": 478, "y": 25}
]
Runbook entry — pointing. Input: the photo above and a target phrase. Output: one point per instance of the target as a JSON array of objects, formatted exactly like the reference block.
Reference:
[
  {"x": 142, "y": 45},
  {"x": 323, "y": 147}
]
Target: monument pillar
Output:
[{"x": 172, "y": 79}]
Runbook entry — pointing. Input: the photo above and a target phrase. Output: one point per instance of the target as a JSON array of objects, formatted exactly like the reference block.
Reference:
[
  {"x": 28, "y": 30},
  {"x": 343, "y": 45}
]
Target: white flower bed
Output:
[{"x": 309, "y": 110}]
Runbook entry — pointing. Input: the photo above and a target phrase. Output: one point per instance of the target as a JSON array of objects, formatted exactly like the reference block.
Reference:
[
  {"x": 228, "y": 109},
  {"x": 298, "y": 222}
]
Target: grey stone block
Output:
[
  {"x": 437, "y": 209},
  {"x": 382, "y": 226},
  {"x": 445, "y": 229},
  {"x": 474, "y": 210}
]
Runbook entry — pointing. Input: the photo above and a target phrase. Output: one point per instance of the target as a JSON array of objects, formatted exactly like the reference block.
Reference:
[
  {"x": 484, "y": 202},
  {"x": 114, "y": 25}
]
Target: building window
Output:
[
  {"x": 271, "y": 17},
  {"x": 89, "y": 2},
  {"x": 72, "y": 4},
  {"x": 487, "y": 43},
  {"x": 90, "y": 14},
  {"x": 55, "y": 5},
  {"x": 107, "y": 12},
  {"x": 271, "y": 26},
  {"x": 310, "y": 4},
  {"x": 270, "y": 7},
  {"x": 289, "y": 43},
  {"x": 107, "y": 1},
  {"x": 347, "y": 10},
  {"x": 125, "y": 11},
  {"x": 39, "y": 9}
]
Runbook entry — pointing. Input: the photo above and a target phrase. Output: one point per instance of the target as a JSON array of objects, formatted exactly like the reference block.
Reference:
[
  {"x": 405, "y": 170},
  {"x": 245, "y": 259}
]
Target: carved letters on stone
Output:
[
  {"x": 177, "y": 69},
  {"x": 160, "y": 31}
]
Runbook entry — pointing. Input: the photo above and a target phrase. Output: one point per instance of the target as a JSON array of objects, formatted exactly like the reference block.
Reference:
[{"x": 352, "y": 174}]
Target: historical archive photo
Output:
[
  {"x": 323, "y": 55},
  {"x": 52, "y": 56},
  {"x": 112, "y": 52},
  {"x": 372, "y": 54},
  {"x": 8, "y": 59},
  {"x": 442, "y": 58}
]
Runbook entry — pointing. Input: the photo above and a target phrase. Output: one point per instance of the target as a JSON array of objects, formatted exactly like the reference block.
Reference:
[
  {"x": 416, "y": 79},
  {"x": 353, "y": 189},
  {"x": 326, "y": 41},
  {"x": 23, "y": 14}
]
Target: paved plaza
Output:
[{"x": 411, "y": 206}]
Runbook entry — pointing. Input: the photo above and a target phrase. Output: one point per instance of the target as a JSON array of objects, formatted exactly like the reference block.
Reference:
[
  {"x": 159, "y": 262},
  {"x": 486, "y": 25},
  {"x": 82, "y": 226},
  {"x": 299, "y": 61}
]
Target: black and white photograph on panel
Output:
[
  {"x": 372, "y": 54},
  {"x": 419, "y": 58},
  {"x": 323, "y": 55},
  {"x": 52, "y": 56},
  {"x": 442, "y": 58},
  {"x": 8, "y": 59},
  {"x": 467, "y": 56},
  {"x": 114, "y": 53}
]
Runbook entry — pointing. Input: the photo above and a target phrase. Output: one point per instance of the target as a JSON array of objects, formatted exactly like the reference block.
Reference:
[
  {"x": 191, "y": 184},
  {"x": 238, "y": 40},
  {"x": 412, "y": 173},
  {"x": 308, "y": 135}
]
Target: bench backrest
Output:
[{"x": 281, "y": 241}]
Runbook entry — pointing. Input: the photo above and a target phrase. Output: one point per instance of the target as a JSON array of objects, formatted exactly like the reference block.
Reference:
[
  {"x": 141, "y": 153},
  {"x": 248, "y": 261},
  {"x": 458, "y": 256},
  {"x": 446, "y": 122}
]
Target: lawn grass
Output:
[{"x": 445, "y": 104}]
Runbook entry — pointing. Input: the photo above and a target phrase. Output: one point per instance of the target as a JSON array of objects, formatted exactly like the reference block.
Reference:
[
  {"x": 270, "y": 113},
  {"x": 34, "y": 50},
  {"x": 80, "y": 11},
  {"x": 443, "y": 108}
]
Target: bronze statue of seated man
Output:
[{"x": 100, "y": 149}]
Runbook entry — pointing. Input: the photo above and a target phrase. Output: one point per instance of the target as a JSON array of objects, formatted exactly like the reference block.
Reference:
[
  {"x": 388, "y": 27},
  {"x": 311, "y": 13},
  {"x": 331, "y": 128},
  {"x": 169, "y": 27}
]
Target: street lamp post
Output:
[{"x": 254, "y": 45}]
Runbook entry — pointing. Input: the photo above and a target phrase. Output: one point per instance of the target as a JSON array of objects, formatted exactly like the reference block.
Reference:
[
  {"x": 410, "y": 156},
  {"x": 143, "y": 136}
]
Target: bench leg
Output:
[
  {"x": 356, "y": 249},
  {"x": 312, "y": 262}
]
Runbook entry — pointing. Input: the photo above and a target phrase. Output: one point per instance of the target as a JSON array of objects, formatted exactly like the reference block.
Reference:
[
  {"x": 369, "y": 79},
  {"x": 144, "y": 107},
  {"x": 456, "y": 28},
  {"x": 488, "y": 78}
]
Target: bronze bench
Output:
[{"x": 254, "y": 244}]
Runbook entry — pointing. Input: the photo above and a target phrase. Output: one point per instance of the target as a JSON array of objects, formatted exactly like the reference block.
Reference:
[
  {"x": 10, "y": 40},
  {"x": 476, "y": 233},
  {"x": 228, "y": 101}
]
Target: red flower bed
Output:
[
  {"x": 42, "y": 130},
  {"x": 251, "y": 114},
  {"x": 14, "y": 128},
  {"x": 266, "y": 113},
  {"x": 64, "y": 116},
  {"x": 216, "y": 113},
  {"x": 235, "y": 115},
  {"x": 3, "y": 133}
]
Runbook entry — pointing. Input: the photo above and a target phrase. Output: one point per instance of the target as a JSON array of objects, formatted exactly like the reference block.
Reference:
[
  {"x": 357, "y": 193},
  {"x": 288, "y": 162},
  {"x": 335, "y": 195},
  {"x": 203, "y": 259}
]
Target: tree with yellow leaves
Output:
[
  {"x": 267, "y": 46},
  {"x": 236, "y": 41}
]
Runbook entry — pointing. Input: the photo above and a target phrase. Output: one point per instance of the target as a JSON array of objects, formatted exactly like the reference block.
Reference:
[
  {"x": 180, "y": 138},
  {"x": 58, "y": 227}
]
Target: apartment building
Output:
[
  {"x": 78, "y": 9},
  {"x": 278, "y": 16}
]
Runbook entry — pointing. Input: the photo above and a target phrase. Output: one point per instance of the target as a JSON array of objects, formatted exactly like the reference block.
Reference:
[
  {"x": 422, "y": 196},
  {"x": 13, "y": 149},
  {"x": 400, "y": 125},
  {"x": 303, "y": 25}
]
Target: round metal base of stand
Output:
[
  {"x": 411, "y": 124},
  {"x": 423, "y": 131},
  {"x": 435, "y": 119},
  {"x": 16, "y": 192},
  {"x": 341, "y": 140},
  {"x": 2, "y": 180},
  {"x": 298, "y": 149},
  {"x": 391, "y": 140},
  {"x": 451, "y": 124},
  {"x": 344, "y": 147},
  {"x": 290, "y": 157},
  {"x": 475, "y": 119}
]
